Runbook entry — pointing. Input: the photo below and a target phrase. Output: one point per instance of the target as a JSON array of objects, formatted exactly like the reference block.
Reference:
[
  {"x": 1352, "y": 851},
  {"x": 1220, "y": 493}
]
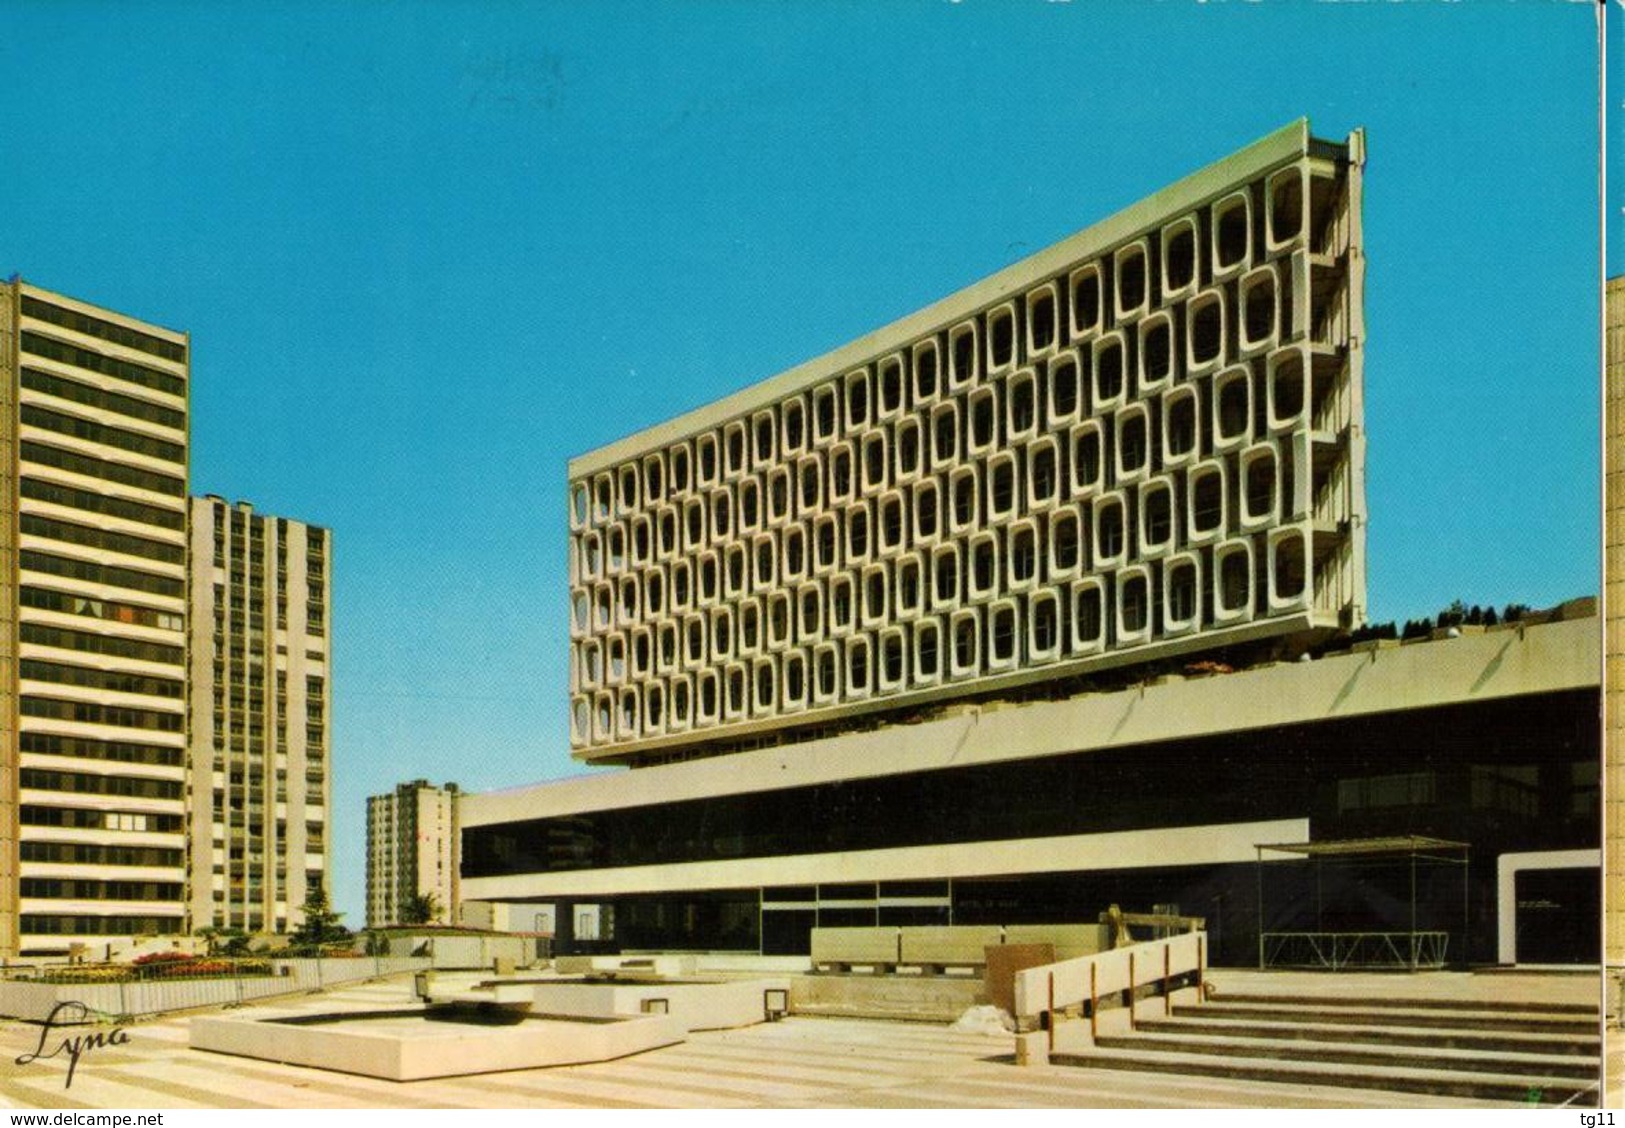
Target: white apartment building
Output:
[
  {"x": 414, "y": 849},
  {"x": 94, "y": 425},
  {"x": 261, "y": 703}
]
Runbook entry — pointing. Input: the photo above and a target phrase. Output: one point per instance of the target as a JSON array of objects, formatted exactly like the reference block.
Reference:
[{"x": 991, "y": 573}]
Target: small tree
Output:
[
  {"x": 321, "y": 926},
  {"x": 420, "y": 908}
]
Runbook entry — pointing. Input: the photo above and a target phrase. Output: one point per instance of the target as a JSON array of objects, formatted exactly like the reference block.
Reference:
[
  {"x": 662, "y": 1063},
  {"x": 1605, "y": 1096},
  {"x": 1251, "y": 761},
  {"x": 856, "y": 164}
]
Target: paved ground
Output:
[{"x": 800, "y": 1062}]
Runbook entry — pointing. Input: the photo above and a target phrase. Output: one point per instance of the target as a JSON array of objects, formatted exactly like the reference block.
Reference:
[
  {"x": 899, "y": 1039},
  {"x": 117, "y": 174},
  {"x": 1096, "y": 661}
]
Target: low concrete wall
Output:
[
  {"x": 694, "y": 1006},
  {"x": 940, "y": 946},
  {"x": 915, "y": 998},
  {"x": 843, "y": 946},
  {"x": 1069, "y": 940},
  {"x": 452, "y": 951},
  {"x": 396, "y": 1052},
  {"x": 33, "y": 1001},
  {"x": 678, "y": 965}
]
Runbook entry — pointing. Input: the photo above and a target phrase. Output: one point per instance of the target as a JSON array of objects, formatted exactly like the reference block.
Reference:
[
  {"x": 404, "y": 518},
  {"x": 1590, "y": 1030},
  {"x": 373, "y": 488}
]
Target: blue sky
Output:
[{"x": 427, "y": 252}]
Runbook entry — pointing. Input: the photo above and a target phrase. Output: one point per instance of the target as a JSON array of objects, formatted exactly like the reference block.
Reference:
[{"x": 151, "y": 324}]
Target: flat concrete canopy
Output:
[{"x": 1396, "y": 844}]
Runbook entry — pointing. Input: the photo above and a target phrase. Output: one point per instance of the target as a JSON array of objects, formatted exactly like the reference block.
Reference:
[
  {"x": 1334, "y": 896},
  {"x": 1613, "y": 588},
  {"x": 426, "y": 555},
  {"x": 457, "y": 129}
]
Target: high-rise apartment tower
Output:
[
  {"x": 261, "y": 703},
  {"x": 413, "y": 849},
  {"x": 93, "y": 476}
]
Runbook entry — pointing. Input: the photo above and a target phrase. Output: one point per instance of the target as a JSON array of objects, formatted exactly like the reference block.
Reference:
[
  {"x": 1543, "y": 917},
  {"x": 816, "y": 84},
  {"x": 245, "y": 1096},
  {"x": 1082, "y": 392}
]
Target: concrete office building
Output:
[
  {"x": 414, "y": 849},
  {"x": 261, "y": 703},
  {"x": 93, "y": 474},
  {"x": 1145, "y": 441},
  {"x": 903, "y": 635}
]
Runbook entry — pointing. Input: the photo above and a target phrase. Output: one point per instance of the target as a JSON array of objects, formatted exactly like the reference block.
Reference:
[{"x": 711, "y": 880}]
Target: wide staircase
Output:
[{"x": 1534, "y": 1052}]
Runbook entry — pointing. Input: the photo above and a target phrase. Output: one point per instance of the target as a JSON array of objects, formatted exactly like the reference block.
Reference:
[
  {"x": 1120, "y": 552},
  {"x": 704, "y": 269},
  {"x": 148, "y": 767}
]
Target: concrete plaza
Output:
[{"x": 798, "y": 1062}]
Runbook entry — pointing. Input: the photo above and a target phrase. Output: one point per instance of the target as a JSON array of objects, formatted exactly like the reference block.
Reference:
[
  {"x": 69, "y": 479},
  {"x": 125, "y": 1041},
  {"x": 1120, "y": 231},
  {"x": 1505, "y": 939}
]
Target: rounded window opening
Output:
[
  {"x": 1286, "y": 206},
  {"x": 1258, "y": 321},
  {"x": 1130, "y": 279},
  {"x": 1181, "y": 427},
  {"x": 1043, "y": 474},
  {"x": 857, "y": 666},
  {"x": 1287, "y": 388},
  {"x": 764, "y": 438},
  {"x": 1235, "y": 581},
  {"x": 1086, "y": 459},
  {"x": 946, "y": 585},
  {"x": 1063, "y": 388},
  {"x": 983, "y": 429},
  {"x": 1131, "y": 444},
  {"x": 1157, "y": 356},
  {"x": 891, "y": 659},
  {"x": 926, "y": 650},
  {"x": 1159, "y": 518},
  {"x": 891, "y": 385},
  {"x": 1182, "y": 592},
  {"x": 793, "y": 426},
  {"x": 826, "y": 674},
  {"x": 1003, "y": 634},
  {"x": 1109, "y": 530},
  {"x": 1064, "y": 541},
  {"x": 857, "y": 401},
  {"x": 1290, "y": 569},
  {"x": 1207, "y": 330},
  {"x": 965, "y": 644},
  {"x": 1023, "y": 406},
  {"x": 925, "y": 371},
  {"x": 824, "y": 413},
  {"x": 1046, "y": 625},
  {"x": 1235, "y": 408},
  {"x": 1207, "y": 502},
  {"x": 1041, "y": 319},
  {"x": 963, "y": 354},
  {"x": 1136, "y": 604},
  {"x": 1179, "y": 257},
  {"x": 945, "y": 434},
  {"x": 1260, "y": 487},
  {"x": 1086, "y": 615},
  {"x": 1108, "y": 372},
  {"x": 1231, "y": 235},
  {"x": 1023, "y": 555},
  {"x": 1001, "y": 337},
  {"x": 1086, "y": 300},
  {"x": 925, "y": 511}
]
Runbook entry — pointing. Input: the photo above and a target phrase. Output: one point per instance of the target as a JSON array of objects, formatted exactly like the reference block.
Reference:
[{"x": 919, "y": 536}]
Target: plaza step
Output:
[
  {"x": 1359, "y": 1053},
  {"x": 1368, "y": 1012},
  {"x": 1520, "y": 1052},
  {"x": 1481, "y": 1041},
  {"x": 1511, "y": 1087}
]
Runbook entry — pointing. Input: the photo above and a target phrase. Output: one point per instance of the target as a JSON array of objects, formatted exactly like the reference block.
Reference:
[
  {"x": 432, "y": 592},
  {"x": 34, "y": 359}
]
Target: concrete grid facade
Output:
[
  {"x": 261, "y": 703},
  {"x": 884, "y": 583},
  {"x": 93, "y": 472},
  {"x": 1145, "y": 441},
  {"x": 414, "y": 847}
]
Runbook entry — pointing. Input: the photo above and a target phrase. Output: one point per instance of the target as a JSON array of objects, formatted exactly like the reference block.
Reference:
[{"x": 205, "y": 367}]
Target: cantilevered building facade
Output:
[
  {"x": 1034, "y": 601},
  {"x": 1145, "y": 441},
  {"x": 260, "y": 706},
  {"x": 93, "y": 474}
]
